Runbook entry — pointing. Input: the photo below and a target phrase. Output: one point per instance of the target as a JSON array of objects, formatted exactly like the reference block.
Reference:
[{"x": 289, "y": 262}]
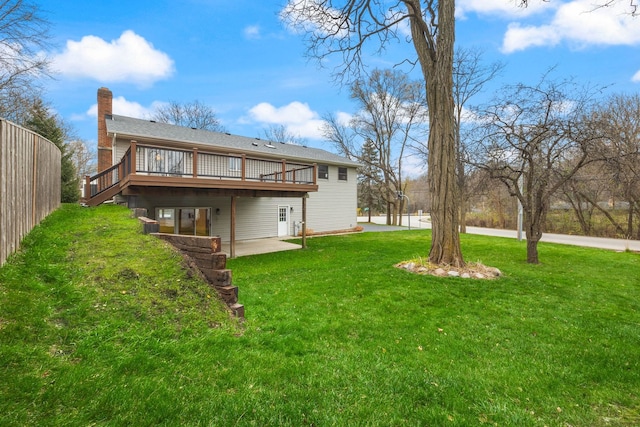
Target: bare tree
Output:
[
  {"x": 540, "y": 135},
  {"x": 194, "y": 114},
  {"x": 16, "y": 102},
  {"x": 345, "y": 27},
  {"x": 391, "y": 109},
  {"x": 469, "y": 78},
  {"x": 583, "y": 192},
  {"x": 348, "y": 27},
  {"x": 82, "y": 157},
  {"x": 24, "y": 35},
  {"x": 619, "y": 120},
  {"x": 279, "y": 133}
]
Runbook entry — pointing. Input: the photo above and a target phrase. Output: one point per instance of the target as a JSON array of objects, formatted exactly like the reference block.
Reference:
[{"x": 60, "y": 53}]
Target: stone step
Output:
[{"x": 237, "y": 310}]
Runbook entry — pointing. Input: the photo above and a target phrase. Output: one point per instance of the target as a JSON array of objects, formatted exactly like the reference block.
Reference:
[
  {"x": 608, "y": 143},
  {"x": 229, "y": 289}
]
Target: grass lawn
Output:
[{"x": 100, "y": 326}]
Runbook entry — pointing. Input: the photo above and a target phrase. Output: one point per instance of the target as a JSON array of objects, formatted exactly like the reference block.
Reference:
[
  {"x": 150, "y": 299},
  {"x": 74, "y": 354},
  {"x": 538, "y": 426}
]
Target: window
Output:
[
  {"x": 164, "y": 162},
  {"x": 235, "y": 164},
  {"x": 166, "y": 219},
  {"x": 342, "y": 174},
  {"x": 188, "y": 221},
  {"x": 323, "y": 171}
]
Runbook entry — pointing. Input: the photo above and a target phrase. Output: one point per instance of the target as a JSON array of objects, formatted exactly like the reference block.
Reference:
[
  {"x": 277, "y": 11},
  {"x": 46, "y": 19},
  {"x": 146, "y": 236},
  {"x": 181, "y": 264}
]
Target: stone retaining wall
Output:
[{"x": 203, "y": 253}]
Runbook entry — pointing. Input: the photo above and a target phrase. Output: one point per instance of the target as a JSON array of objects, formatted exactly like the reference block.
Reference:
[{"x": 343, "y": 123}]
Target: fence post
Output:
[{"x": 34, "y": 184}]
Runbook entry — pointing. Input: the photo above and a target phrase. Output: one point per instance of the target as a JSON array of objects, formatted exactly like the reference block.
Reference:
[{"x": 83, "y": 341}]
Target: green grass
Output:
[{"x": 100, "y": 326}]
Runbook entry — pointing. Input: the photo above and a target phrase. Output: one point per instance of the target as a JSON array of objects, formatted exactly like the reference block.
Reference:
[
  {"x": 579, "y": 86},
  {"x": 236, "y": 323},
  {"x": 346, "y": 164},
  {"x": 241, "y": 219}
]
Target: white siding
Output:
[
  {"x": 334, "y": 205},
  {"x": 121, "y": 147}
]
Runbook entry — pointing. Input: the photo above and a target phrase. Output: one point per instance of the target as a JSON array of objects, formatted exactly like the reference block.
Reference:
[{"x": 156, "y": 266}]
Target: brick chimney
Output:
[{"x": 105, "y": 158}]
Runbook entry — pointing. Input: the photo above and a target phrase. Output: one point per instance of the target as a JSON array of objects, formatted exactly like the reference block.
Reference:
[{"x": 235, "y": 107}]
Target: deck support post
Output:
[
  {"x": 232, "y": 231},
  {"x": 304, "y": 220}
]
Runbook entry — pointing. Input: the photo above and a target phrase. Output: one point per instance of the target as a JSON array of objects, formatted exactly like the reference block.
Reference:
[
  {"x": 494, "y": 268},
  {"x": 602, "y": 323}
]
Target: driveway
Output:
[{"x": 591, "y": 242}]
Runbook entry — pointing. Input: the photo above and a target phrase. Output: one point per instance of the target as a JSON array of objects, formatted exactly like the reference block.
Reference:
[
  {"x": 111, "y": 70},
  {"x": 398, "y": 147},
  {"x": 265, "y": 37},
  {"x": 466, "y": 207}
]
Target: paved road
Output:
[{"x": 592, "y": 242}]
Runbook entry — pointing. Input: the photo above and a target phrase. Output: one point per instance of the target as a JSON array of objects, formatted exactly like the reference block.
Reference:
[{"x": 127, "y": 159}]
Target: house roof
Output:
[{"x": 123, "y": 126}]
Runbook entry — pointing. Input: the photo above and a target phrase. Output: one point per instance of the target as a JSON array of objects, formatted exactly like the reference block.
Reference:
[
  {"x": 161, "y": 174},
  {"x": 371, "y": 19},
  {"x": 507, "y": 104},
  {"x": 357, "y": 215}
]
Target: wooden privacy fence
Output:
[{"x": 29, "y": 183}]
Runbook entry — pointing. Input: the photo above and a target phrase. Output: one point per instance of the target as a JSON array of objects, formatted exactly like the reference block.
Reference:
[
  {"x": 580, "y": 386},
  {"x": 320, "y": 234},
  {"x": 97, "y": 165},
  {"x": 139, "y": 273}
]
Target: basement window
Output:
[{"x": 187, "y": 221}]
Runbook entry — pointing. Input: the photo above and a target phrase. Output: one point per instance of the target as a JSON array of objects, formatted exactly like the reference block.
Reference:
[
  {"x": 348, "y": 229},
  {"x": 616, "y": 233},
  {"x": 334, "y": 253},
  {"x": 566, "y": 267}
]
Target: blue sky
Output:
[{"x": 238, "y": 57}]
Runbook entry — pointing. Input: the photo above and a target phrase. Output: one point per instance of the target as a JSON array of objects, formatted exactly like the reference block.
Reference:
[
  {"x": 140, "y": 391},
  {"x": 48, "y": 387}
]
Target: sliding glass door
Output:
[{"x": 187, "y": 221}]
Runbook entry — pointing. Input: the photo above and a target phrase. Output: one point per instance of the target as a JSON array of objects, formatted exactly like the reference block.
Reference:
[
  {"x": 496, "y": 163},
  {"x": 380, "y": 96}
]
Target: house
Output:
[{"x": 197, "y": 182}]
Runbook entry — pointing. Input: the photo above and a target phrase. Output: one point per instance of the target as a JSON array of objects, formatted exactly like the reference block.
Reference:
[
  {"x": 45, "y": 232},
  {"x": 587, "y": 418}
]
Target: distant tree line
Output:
[
  {"x": 551, "y": 146},
  {"x": 570, "y": 158}
]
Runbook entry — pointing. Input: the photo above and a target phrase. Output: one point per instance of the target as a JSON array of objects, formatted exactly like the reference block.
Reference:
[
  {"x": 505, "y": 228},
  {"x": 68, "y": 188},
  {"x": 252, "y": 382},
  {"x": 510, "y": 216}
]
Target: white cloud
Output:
[
  {"x": 296, "y": 116},
  {"x": 123, "y": 107},
  {"x": 130, "y": 58},
  {"x": 252, "y": 32},
  {"x": 579, "y": 23},
  {"x": 344, "y": 118},
  {"x": 413, "y": 166},
  {"x": 520, "y": 38},
  {"x": 503, "y": 8},
  {"x": 636, "y": 77}
]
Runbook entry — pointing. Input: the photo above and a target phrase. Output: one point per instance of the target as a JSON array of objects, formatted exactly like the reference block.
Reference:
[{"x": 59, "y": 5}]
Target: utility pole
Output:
[{"x": 400, "y": 196}]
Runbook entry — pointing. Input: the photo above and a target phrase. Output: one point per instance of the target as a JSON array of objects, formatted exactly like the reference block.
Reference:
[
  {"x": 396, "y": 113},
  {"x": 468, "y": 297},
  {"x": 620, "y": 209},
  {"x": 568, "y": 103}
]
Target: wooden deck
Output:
[{"x": 148, "y": 168}]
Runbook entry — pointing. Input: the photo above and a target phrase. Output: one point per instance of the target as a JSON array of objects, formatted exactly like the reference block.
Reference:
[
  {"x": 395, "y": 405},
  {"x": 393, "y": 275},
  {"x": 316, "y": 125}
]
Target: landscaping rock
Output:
[
  {"x": 469, "y": 271},
  {"x": 494, "y": 271}
]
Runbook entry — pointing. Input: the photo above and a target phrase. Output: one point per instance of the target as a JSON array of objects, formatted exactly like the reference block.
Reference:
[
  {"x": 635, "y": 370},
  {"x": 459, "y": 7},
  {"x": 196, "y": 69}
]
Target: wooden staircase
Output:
[{"x": 103, "y": 186}]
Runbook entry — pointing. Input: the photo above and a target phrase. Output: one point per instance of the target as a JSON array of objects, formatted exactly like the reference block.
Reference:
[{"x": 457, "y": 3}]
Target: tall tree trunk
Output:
[
  {"x": 463, "y": 217},
  {"x": 532, "y": 250},
  {"x": 436, "y": 61},
  {"x": 388, "y": 213},
  {"x": 533, "y": 227}
]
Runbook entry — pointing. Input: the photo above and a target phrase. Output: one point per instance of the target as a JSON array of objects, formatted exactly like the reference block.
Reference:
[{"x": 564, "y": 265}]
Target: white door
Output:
[{"x": 283, "y": 221}]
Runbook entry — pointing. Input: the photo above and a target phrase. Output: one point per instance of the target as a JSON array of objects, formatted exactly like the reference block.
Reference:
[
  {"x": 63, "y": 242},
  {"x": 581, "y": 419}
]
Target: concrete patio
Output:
[{"x": 260, "y": 246}]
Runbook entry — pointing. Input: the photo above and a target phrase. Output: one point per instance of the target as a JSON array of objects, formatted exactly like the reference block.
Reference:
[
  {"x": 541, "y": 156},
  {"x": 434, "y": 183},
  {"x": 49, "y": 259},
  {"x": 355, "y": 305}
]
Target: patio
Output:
[{"x": 259, "y": 246}]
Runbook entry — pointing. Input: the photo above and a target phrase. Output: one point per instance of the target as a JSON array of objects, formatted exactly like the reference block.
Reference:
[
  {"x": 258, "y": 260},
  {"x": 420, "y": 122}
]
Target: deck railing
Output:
[
  {"x": 102, "y": 181},
  {"x": 171, "y": 162}
]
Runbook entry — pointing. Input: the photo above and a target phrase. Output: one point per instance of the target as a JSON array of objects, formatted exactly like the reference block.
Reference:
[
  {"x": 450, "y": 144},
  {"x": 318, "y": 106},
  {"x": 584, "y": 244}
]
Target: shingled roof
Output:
[{"x": 139, "y": 129}]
